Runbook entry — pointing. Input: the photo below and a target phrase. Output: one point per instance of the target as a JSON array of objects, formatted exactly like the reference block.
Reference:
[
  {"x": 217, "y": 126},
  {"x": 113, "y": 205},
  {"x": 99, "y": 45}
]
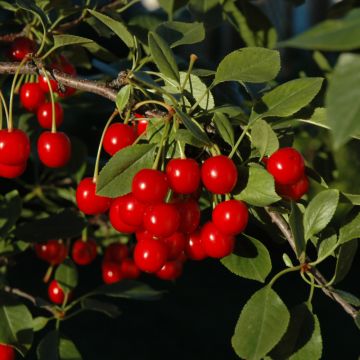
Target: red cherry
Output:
[
  {"x": 175, "y": 245},
  {"x": 84, "y": 252},
  {"x": 7, "y": 352},
  {"x": 183, "y": 175},
  {"x": 161, "y": 219},
  {"x": 12, "y": 171},
  {"x": 219, "y": 174},
  {"x": 194, "y": 248},
  {"x": 53, "y": 251},
  {"x": 131, "y": 210},
  {"x": 170, "y": 271},
  {"x": 87, "y": 200},
  {"x": 14, "y": 147},
  {"x": 111, "y": 272},
  {"x": 294, "y": 191},
  {"x": 56, "y": 294},
  {"x": 216, "y": 244},
  {"x": 31, "y": 96},
  {"x": 150, "y": 186},
  {"x": 230, "y": 217},
  {"x": 189, "y": 215},
  {"x": 286, "y": 165},
  {"x": 21, "y": 47},
  {"x": 140, "y": 125},
  {"x": 118, "y": 136},
  {"x": 54, "y": 149},
  {"x": 63, "y": 64},
  {"x": 150, "y": 255},
  {"x": 129, "y": 269},
  {"x": 116, "y": 219},
  {"x": 144, "y": 235},
  {"x": 44, "y": 115},
  {"x": 44, "y": 84},
  {"x": 116, "y": 253}
]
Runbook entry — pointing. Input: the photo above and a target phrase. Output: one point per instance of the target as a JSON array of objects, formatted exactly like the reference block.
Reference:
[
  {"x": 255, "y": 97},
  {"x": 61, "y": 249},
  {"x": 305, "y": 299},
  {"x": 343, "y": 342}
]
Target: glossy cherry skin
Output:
[
  {"x": 54, "y": 149},
  {"x": 12, "y": 171},
  {"x": 230, "y": 217},
  {"x": 189, "y": 211},
  {"x": 14, "y": 147},
  {"x": 56, "y": 294},
  {"x": 52, "y": 251},
  {"x": 116, "y": 253},
  {"x": 219, "y": 174},
  {"x": 183, "y": 175},
  {"x": 286, "y": 165},
  {"x": 194, "y": 248},
  {"x": 44, "y": 115},
  {"x": 150, "y": 255},
  {"x": 111, "y": 272},
  {"x": 150, "y": 186},
  {"x": 117, "y": 137},
  {"x": 170, "y": 271},
  {"x": 131, "y": 210},
  {"x": 7, "y": 352},
  {"x": 129, "y": 269},
  {"x": 44, "y": 84},
  {"x": 216, "y": 244},
  {"x": 294, "y": 191},
  {"x": 84, "y": 252},
  {"x": 87, "y": 200},
  {"x": 175, "y": 245},
  {"x": 116, "y": 219},
  {"x": 21, "y": 47},
  {"x": 161, "y": 219},
  {"x": 31, "y": 96},
  {"x": 141, "y": 124},
  {"x": 144, "y": 235}
]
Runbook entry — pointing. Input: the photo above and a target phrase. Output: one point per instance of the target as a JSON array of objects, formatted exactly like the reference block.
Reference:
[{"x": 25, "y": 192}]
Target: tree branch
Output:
[{"x": 283, "y": 226}]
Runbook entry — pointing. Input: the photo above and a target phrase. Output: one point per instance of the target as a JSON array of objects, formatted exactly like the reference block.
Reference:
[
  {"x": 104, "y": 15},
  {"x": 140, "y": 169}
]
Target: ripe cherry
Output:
[
  {"x": 219, "y": 174},
  {"x": 52, "y": 251},
  {"x": 216, "y": 244},
  {"x": 129, "y": 269},
  {"x": 44, "y": 115},
  {"x": 116, "y": 219},
  {"x": 175, "y": 245},
  {"x": 7, "y": 352},
  {"x": 171, "y": 270},
  {"x": 12, "y": 171},
  {"x": 230, "y": 217},
  {"x": 194, "y": 248},
  {"x": 14, "y": 147},
  {"x": 87, "y": 200},
  {"x": 44, "y": 84},
  {"x": 183, "y": 175},
  {"x": 21, "y": 47},
  {"x": 111, "y": 272},
  {"x": 189, "y": 215},
  {"x": 150, "y": 255},
  {"x": 286, "y": 165},
  {"x": 56, "y": 293},
  {"x": 150, "y": 186},
  {"x": 144, "y": 235},
  {"x": 116, "y": 253},
  {"x": 54, "y": 149},
  {"x": 31, "y": 96},
  {"x": 161, "y": 219},
  {"x": 84, "y": 252},
  {"x": 131, "y": 210},
  {"x": 294, "y": 191},
  {"x": 141, "y": 124},
  {"x": 117, "y": 137}
]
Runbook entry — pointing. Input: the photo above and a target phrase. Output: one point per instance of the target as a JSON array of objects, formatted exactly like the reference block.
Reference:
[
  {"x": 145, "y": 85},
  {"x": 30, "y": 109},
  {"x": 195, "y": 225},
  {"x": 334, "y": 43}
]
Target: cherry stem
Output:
[
  {"x": 4, "y": 106},
  {"x": 283, "y": 272},
  {"x": 48, "y": 274},
  {"x": 169, "y": 109},
  {"x": 161, "y": 145},
  {"x": 182, "y": 153},
  {"x": 97, "y": 162},
  {"x": 84, "y": 234},
  {"x": 193, "y": 58},
  {"x": 43, "y": 40},
  {"x": 312, "y": 288},
  {"x": 53, "y": 115},
  {"x": 238, "y": 142}
]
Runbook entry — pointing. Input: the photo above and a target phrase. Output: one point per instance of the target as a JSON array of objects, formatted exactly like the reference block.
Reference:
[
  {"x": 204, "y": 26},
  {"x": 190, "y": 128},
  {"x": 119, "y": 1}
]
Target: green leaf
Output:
[
  {"x": 350, "y": 298},
  {"x": 10, "y": 210},
  {"x": 327, "y": 245},
  {"x": 262, "y": 323},
  {"x": 116, "y": 26},
  {"x": 67, "y": 276},
  {"x": 357, "y": 320},
  {"x": 34, "y": 9},
  {"x": 252, "y": 64},
  {"x": 48, "y": 347},
  {"x": 39, "y": 323},
  {"x": 287, "y": 260},
  {"x": 184, "y": 135},
  {"x": 264, "y": 138},
  {"x": 116, "y": 176},
  {"x": 203, "y": 6},
  {"x": 351, "y": 230},
  {"x": 250, "y": 259},
  {"x": 342, "y": 99},
  {"x": 320, "y": 211},
  {"x": 68, "y": 350},
  {"x": 163, "y": 57},
  {"x": 330, "y": 35},
  {"x": 193, "y": 126},
  {"x": 260, "y": 188},
  {"x": 177, "y": 33},
  {"x": 100, "y": 306},
  {"x": 67, "y": 223},
  {"x": 224, "y": 128},
  {"x": 286, "y": 99},
  {"x": 297, "y": 229},
  {"x": 16, "y": 324},
  {"x": 168, "y": 6},
  {"x": 345, "y": 259},
  {"x": 123, "y": 97}
]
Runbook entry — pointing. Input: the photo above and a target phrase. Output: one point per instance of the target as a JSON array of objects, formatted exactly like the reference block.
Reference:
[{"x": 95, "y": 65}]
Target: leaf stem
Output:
[
  {"x": 4, "y": 106},
  {"x": 238, "y": 142},
  {"x": 283, "y": 272},
  {"x": 205, "y": 93},
  {"x": 161, "y": 145},
  {"x": 312, "y": 287}
]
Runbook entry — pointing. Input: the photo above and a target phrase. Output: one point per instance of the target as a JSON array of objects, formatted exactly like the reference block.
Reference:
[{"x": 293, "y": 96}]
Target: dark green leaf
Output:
[
  {"x": 264, "y": 138},
  {"x": 68, "y": 350},
  {"x": 297, "y": 229},
  {"x": 48, "y": 347},
  {"x": 67, "y": 276},
  {"x": 345, "y": 259},
  {"x": 123, "y": 97},
  {"x": 224, "y": 128},
  {"x": 351, "y": 230},
  {"x": 10, "y": 209},
  {"x": 100, "y": 306},
  {"x": 116, "y": 176},
  {"x": 168, "y": 6},
  {"x": 357, "y": 320},
  {"x": 262, "y": 323},
  {"x": 203, "y": 6},
  {"x": 327, "y": 245},
  {"x": 348, "y": 297},
  {"x": 186, "y": 137},
  {"x": 33, "y": 8},
  {"x": 39, "y": 323}
]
